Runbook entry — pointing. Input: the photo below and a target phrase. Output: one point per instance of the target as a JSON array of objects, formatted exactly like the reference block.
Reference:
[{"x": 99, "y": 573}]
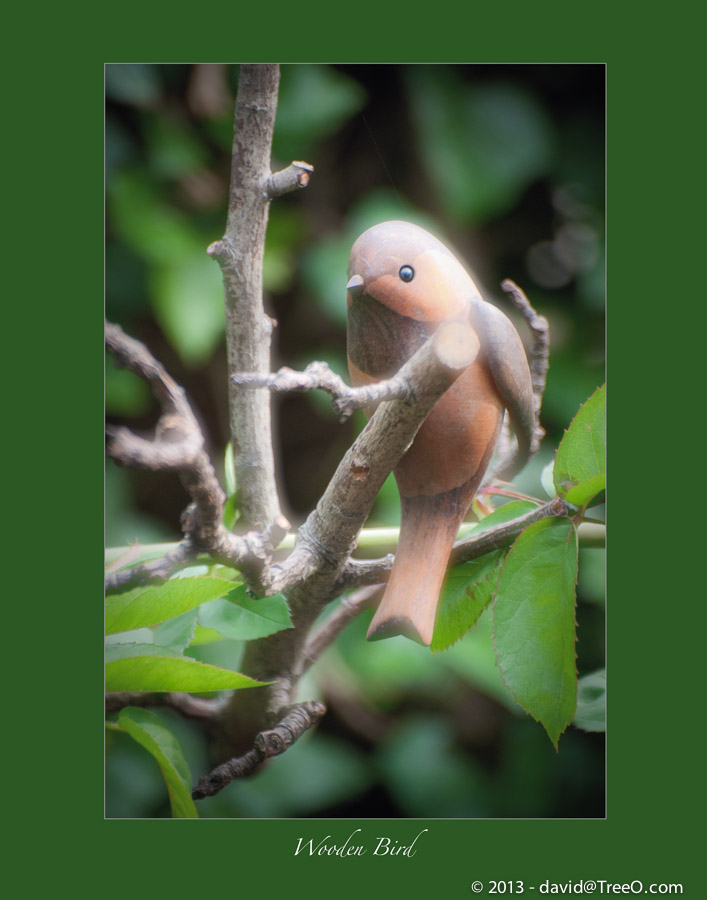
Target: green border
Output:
[{"x": 652, "y": 767}]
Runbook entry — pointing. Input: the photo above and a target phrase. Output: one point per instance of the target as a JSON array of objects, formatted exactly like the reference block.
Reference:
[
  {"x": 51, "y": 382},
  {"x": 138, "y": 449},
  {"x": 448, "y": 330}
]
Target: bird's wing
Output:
[{"x": 510, "y": 371}]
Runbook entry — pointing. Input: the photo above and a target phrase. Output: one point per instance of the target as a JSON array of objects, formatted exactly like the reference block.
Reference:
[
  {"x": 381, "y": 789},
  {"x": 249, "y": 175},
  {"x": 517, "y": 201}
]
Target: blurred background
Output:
[{"x": 506, "y": 164}]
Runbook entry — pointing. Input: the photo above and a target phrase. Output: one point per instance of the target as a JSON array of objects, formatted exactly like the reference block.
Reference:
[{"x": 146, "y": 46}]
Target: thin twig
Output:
[
  {"x": 357, "y": 573},
  {"x": 270, "y": 742},
  {"x": 318, "y": 376},
  {"x": 179, "y": 445},
  {"x": 189, "y": 706},
  {"x": 506, "y": 462},
  {"x": 331, "y": 628}
]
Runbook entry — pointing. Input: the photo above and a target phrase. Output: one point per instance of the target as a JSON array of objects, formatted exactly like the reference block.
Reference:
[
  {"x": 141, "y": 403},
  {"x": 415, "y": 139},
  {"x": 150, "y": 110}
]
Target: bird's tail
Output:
[{"x": 429, "y": 525}]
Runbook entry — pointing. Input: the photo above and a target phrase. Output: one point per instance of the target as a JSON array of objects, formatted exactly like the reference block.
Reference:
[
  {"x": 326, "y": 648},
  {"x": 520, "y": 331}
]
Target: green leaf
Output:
[
  {"x": 466, "y": 592},
  {"x": 230, "y": 512},
  {"x": 136, "y": 636},
  {"x": 173, "y": 148},
  {"x": 534, "y": 623},
  {"x": 185, "y": 285},
  {"x": 580, "y": 464},
  {"x": 481, "y": 144},
  {"x": 177, "y": 632},
  {"x": 314, "y": 101},
  {"x": 505, "y": 513},
  {"x": 188, "y": 300},
  {"x": 229, "y": 470},
  {"x": 151, "y": 732},
  {"x": 468, "y": 588},
  {"x": 154, "y": 230},
  {"x": 204, "y": 636},
  {"x": 547, "y": 480},
  {"x": 591, "y": 702},
  {"x": 168, "y": 672},
  {"x": 131, "y": 649},
  {"x": 243, "y": 618},
  {"x": 156, "y": 603}
]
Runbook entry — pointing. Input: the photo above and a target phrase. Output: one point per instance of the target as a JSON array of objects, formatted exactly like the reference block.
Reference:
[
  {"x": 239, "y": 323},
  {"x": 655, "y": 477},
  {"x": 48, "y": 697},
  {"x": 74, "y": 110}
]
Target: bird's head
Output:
[{"x": 410, "y": 271}]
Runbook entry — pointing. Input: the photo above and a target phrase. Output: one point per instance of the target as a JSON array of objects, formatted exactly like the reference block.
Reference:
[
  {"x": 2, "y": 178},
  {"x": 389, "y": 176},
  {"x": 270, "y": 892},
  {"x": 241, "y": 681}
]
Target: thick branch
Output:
[
  {"x": 240, "y": 255},
  {"x": 330, "y": 532}
]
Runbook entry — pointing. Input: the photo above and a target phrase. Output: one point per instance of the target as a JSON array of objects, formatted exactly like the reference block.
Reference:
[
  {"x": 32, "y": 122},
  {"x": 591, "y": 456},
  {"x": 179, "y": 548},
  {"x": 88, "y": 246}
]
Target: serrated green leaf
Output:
[
  {"x": 129, "y": 650},
  {"x": 136, "y": 636},
  {"x": 172, "y": 673},
  {"x": 466, "y": 592},
  {"x": 156, "y": 603},
  {"x": 588, "y": 491},
  {"x": 591, "y": 702},
  {"x": 534, "y": 622},
  {"x": 580, "y": 464},
  {"x": 243, "y": 618},
  {"x": 204, "y": 636},
  {"x": 177, "y": 632},
  {"x": 150, "y": 731},
  {"x": 468, "y": 588}
]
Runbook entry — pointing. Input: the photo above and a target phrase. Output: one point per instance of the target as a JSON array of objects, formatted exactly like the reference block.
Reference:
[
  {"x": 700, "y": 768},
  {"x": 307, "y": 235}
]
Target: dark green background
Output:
[{"x": 655, "y": 749}]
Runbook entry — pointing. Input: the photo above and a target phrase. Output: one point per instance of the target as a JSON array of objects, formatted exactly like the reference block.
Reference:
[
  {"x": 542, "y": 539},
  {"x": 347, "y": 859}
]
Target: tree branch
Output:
[
  {"x": 294, "y": 177},
  {"x": 271, "y": 742},
  {"x": 309, "y": 575},
  {"x": 331, "y": 628},
  {"x": 329, "y": 534},
  {"x": 191, "y": 707},
  {"x": 179, "y": 445},
  {"x": 507, "y": 460},
  {"x": 240, "y": 255},
  {"x": 357, "y": 573},
  {"x": 318, "y": 376}
]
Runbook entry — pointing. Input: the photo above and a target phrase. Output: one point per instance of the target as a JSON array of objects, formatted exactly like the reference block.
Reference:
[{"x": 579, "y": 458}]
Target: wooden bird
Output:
[{"x": 403, "y": 283}]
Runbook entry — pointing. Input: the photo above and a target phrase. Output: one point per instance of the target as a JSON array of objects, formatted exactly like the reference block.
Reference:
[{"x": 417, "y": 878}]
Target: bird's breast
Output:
[
  {"x": 379, "y": 340},
  {"x": 456, "y": 440}
]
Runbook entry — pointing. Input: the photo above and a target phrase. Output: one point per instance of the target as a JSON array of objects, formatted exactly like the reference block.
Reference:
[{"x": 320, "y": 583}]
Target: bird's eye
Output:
[{"x": 406, "y": 273}]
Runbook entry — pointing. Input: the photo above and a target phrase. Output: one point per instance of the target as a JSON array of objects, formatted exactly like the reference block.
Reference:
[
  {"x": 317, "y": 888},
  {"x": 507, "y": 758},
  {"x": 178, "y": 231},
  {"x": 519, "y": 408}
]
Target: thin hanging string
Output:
[{"x": 382, "y": 159}]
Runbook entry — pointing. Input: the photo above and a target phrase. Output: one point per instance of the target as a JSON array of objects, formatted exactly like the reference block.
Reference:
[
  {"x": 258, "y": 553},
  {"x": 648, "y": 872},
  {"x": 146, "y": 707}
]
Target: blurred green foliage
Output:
[{"x": 507, "y": 164}]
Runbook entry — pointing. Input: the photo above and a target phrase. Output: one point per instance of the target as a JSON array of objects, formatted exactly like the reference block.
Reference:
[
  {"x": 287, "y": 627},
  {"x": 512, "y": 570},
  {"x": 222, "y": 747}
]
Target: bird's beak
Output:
[{"x": 355, "y": 284}]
